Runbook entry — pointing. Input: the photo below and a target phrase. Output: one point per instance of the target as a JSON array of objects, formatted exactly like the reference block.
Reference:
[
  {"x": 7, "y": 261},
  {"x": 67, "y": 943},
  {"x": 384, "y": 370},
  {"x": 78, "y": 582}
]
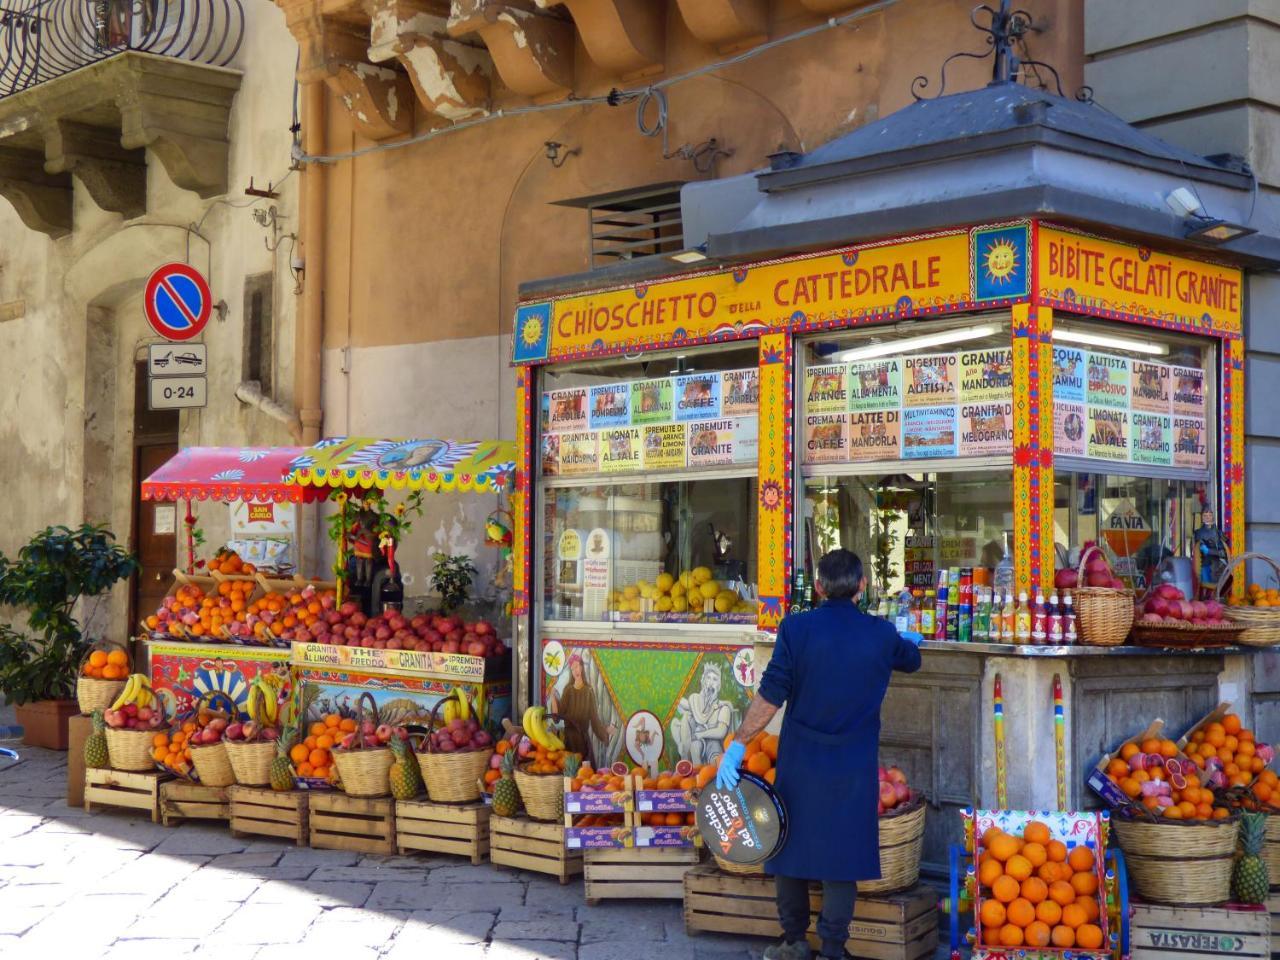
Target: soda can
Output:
[
  {"x": 966, "y": 585},
  {"x": 940, "y": 628},
  {"x": 964, "y": 631}
]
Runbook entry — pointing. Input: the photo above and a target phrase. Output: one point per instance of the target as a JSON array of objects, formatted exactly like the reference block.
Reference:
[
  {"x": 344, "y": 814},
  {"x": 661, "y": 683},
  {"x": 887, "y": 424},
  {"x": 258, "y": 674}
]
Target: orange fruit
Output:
[
  {"x": 991, "y": 936},
  {"x": 1088, "y": 937},
  {"x": 770, "y": 746},
  {"x": 324, "y": 742},
  {"x": 1035, "y": 852},
  {"x": 305, "y": 770},
  {"x": 1084, "y": 884},
  {"x": 759, "y": 763},
  {"x": 988, "y": 835},
  {"x": 1080, "y": 858},
  {"x": 770, "y": 775},
  {"x": 1048, "y": 872},
  {"x": 992, "y": 913},
  {"x": 299, "y": 753},
  {"x": 1063, "y": 936},
  {"x": 1151, "y": 745},
  {"x": 1090, "y": 907},
  {"x": 1048, "y": 911},
  {"x": 1073, "y": 915},
  {"x": 317, "y": 728},
  {"x": 1036, "y": 934},
  {"x": 1057, "y": 850},
  {"x": 675, "y": 819},
  {"x": 1130, "y": 787},
  {"x": 1128, "y": 750},
  {"x": 1002, "y": 847},
  {"x": 1010, "y": 936},
  {"x": 1116, "y": 769},
  {"x": 1018, "y": 867},
  {"x": 1037, "y": 832},
  {"x": 118, "y": 657},
  {"x": 1034, "y": 889},
  {"x": 348, "y": 725},
  {"x": 989, "y": 871},
  {"x": 1173, "y": 813},
  {"x": 1231, "y": 723},
  {"x": 160, "y": 740},
  {"x": 1062, "y": 893},
  {"x": 1020, "y": 912},
  {"x": 1168, "y": 749},
  {"x": 1006, "y": 889}
]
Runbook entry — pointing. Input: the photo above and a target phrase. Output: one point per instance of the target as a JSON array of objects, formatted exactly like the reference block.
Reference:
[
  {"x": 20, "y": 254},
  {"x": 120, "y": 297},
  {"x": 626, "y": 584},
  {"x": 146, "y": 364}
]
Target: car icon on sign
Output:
[{"x": 190, "y": 359}]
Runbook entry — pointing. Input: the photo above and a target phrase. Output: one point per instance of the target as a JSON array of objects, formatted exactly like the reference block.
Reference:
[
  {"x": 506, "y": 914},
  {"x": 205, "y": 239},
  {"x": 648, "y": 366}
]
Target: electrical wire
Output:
[{"x": 613, "y": 98}]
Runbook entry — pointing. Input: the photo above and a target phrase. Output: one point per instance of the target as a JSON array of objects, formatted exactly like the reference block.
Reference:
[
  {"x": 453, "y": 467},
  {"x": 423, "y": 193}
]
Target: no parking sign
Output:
[{"x": 177, "y": 301}]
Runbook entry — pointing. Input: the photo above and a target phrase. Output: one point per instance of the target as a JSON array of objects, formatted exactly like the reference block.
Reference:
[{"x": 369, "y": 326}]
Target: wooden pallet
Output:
[
  {"x": 1199, "y": 933},
  {"x": 895, "y": 926},
  {"x": 258, "y": 811},
  {"x": 340, "y": 822},
  {"x": 124, "y": 789},
  {"x": 532, "y": 845},
  {"x": 183, "y": 800},
  {"x": 642, "y": 873},
  {"x": 461, "y": 829}
]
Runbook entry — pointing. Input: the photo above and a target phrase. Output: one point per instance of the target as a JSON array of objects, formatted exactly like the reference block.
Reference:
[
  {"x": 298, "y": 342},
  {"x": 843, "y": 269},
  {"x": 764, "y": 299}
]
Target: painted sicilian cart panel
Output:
[{"x": 183, "y": 672}]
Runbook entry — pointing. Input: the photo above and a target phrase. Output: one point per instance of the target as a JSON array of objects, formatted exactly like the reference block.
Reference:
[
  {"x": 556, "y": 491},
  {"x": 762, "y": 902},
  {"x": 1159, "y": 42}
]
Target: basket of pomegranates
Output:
[
  {"x": 457, "y": 751},
  {"x": 1104, "y": 605},
  {"x": 902, "y": 812},
  {"x": 133, "y": 721},
  {"x": 363, "y": 758},
  {"x": 252, "y": 745},
  {"x": 208, "y": 748},
  {"x": 1258, "y": 614},
  {"x": 1166, "y": 618}
]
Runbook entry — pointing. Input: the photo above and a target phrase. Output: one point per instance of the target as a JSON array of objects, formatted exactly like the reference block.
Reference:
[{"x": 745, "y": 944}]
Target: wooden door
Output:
[{"x": 155, "y": 535}]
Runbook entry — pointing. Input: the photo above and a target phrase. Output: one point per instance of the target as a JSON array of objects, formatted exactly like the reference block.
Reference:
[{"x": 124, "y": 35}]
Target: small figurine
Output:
[
  {"x": 361, "y": 537},
  {"x": 1212, "y": 551}
]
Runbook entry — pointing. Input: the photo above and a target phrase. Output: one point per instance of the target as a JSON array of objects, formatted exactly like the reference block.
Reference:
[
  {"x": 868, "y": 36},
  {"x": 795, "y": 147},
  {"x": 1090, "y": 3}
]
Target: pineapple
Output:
[
  {"x": 95, "y": 745},
  {"x": 406, "y": 778},
  {"x": 1249, "y": 881},
  {"x": 506, "y": 798},
  {"x": 572, "y": 764},
  {"x": 281, "y": 767}
]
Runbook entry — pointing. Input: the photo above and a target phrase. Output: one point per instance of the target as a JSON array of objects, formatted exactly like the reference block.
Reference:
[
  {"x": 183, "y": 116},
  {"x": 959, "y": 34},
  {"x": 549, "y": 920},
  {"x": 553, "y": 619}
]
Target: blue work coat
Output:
[{"x": 831, "y": 667}]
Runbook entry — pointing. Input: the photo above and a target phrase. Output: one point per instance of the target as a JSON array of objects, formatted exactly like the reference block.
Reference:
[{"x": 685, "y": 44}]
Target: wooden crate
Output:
[
  {"x": 1273, "y": 908},
  {"x": 1199, "y": 933},
  {"x": 258, "y": 811},
  {"x": 896, "y": 926},
  {"x": 123, "y": 788},
  {"x": 183, "y": 800},
  {"x": 461, "y": 829},
  {"x": 339, "y": 822},
  {"x": 532, "y": 845},
  {"x": 642, "y": 873}
]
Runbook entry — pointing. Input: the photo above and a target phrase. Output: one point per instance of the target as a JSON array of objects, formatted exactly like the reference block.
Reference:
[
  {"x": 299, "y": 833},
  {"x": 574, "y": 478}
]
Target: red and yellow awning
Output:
[
  {"x": 228, "y": 473},
  {"x": 479, "y": 466}
]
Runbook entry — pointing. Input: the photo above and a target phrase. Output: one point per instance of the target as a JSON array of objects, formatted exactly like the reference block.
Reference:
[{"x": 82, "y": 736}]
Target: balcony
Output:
[{"x": 87, "y": 87}]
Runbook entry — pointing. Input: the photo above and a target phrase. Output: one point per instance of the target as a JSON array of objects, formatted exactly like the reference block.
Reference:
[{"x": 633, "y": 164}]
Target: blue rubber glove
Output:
[
  {"x": 916, "y": 638},
  {"x": 727, "y": 772}
]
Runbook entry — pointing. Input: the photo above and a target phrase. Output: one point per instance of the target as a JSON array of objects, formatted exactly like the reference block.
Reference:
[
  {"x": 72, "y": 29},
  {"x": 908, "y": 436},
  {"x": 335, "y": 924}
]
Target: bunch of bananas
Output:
[
  {"x": 534, "y": 724},
  {"x": 137, "y": 690},
  {"x": 458, "y": 707},
  {"x": 266, "y": 708}
]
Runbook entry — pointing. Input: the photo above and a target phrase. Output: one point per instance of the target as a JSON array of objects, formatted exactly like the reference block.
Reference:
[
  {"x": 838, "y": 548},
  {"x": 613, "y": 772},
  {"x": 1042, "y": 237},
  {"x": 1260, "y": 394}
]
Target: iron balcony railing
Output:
[{"x": 44, "y": 39}]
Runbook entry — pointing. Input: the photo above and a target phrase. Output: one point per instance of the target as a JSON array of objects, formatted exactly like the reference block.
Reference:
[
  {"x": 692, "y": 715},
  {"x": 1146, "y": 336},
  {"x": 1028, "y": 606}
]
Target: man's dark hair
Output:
[{"x": 840, "y": 574}]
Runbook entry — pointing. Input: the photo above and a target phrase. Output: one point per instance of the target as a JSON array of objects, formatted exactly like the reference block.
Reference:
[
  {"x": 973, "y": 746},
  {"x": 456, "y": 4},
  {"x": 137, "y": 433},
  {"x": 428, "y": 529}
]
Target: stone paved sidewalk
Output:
[{"x": 113, "y": 886}]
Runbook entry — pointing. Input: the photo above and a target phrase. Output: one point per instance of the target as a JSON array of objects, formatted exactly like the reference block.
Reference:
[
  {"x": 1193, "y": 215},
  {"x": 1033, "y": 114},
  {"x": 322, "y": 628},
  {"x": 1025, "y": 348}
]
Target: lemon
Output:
[
  {"x": 729, "y": 595},
  {"x": 630, "y": 593},
  {"x": 679, "y": 604},
  {"x": 701, "y": 574},
  {"x": 709, "y": 589},
  {"x": 677, "y": 589},
  {"x": 664, "y": 582},
  {"x": 723, "y": 604},
  {"x": 686, "y": 580},
  {"x": 663, "y": 605}
]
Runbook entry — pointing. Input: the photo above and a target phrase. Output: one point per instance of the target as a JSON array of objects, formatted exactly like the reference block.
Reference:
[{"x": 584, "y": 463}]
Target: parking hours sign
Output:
[
  {"x": 177, "y": 302},
  {"x": 174, "y": 393}
]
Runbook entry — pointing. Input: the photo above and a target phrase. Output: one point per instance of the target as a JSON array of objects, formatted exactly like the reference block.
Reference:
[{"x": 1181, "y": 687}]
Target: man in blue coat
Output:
[{"x": 831, "y": 666}]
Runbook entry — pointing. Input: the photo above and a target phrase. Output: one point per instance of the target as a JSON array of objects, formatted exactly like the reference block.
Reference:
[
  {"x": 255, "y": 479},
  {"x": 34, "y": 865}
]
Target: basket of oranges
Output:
[
  {"x": 1259, "y": 611},
  {"x": 102, "y": 674}
]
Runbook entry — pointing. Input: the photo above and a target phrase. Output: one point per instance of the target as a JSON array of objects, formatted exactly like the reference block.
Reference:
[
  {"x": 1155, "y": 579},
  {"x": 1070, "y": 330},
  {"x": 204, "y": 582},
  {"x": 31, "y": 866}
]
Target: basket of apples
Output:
[
  {"x": 132, "y": 722},
  {"x": 1166, "y": 618},
  {"x": 363, "y": 758},
  {"x": 901, "y": 811},
  {"x": 457, "y": 751},
  {"x": 208, "y": 749},
  {"x": 251, "y": 744},
  {"x": 1104, "y": 605}
]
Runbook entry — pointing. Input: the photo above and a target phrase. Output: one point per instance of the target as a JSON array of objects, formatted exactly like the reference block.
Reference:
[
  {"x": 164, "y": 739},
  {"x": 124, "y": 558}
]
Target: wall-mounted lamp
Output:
[
  {"x": 554, "y": 155},
  {"x": 1213, "y": 230}
]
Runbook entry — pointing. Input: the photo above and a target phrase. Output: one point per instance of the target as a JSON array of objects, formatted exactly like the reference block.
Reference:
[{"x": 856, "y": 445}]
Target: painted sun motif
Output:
[
  {"x": 1001, "y": 261},
  {"x": 531, "y": 332},
  {"x": 770, "y": 494}
]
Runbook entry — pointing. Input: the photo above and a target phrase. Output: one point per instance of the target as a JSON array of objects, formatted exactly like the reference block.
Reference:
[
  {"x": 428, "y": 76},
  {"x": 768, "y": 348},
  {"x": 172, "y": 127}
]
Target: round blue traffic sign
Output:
[{"x": 177, "y": 301}]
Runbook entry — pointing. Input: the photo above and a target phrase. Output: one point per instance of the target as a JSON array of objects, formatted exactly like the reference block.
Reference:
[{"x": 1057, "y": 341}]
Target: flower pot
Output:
[{"x": 44, "y": 722}]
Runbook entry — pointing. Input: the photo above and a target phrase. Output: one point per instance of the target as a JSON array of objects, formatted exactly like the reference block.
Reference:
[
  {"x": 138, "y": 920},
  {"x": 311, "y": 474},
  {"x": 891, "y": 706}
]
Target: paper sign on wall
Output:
[
  {"x": 928, "y": 432},
  {"x": 875, "y": 384},
  {"x": 875, "y": 435},
  {"x": 930, "y": 380}
]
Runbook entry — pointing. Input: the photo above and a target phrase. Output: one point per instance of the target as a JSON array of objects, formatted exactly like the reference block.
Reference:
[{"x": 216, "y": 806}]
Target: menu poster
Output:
[
  {"x": 579, "y": 453},
  {"x": 875, "y": 384},
  {"x": 931, "y": 380},
  {"x": 1108, "y": 381},
  {"x": 1108, "y": 434},
  {"x": 697, "y": 396},
  {"x": 1150, "y": 438},
  {"x": 875, "y": 435},
  {"x": 826, "y": 437},
  {"x": 711, "y": 442},
  {"x": 1149, "y": 386},
  {"x": 620, "y": 450},
  {"x": 1189, "y": 446},
  {"x": 568, "y": 410},
  {"x": 1188, "y": 391},
  {"x": 663, "y": 446},
  {"x": 826, "y": 389},
  {"x": 1069, "y": 428},
  {"x": 986, "y": 376},
  {"x": 986, "y": 428},
  {"x": 609, "y": 405},
  {"x": 746, "y": 440},
  {"x": 928, "y": 431},
  {"x": 1068, "y": 375},
  {"x": 740, "y": 392},
  {"x": 651, "y": 401}
]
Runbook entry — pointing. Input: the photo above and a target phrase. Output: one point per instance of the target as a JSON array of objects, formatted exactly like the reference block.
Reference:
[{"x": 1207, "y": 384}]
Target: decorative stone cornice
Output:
[
  {"x": 41, "y": 199},
  {"x": 726, "y": 24},
  {"x": 116, "y": 178},
  {"x": 533, "y": 50},
  {"x": 626, "y": 37}
]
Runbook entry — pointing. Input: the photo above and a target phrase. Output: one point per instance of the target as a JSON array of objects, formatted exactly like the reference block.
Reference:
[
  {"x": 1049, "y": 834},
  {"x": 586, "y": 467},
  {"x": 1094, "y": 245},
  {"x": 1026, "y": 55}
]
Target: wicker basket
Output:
[
  {"x": 901, "y": 842},
  {"x": 130, "y": 749},
  {"x": 251, "y": 761},
  {"x": 364, "y": 771},
  {"x": 1261, "y": 624},
  {"x": 1271, "y": 846},
  {"x": 212, "y": 764},
  {"x": 1179, "y": 863},
  {"x": 93, "y": 694},
  {"x": 542, "y": 793},
  {"x": 451, "y": 777},
  {"x": 743, "y": 869},
  {"x": 1105, "y": 615},
  {"x": 1183, "y": 635}
]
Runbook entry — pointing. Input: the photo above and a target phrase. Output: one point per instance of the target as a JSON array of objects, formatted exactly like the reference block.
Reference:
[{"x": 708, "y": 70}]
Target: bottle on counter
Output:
[
  {"x": 1039, "y": 619},
  {"x": 929, "y": 615},
  {"x": 391, "y": 594},
  {"x": 917, "y": 611},
  {"x": 1055, "y": 620},
  {"x": 798, "y": 589},
  {"x": 1022, "y": 619},
  {"x": 1070, "y": 634},
  {"x": 981, "y": 614},
  {"x": 902, "y": 612},
  {"x": 1008, "y": 618},
  {"x": 940, "y": 614}
]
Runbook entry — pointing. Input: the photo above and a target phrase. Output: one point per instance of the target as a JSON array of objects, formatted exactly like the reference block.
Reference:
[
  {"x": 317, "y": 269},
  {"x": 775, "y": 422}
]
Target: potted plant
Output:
[{"x": 50, "y": 575}]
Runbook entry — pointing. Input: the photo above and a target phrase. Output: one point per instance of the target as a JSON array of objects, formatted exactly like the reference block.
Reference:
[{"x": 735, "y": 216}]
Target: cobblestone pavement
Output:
[{"x": 117, "y": 886}]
